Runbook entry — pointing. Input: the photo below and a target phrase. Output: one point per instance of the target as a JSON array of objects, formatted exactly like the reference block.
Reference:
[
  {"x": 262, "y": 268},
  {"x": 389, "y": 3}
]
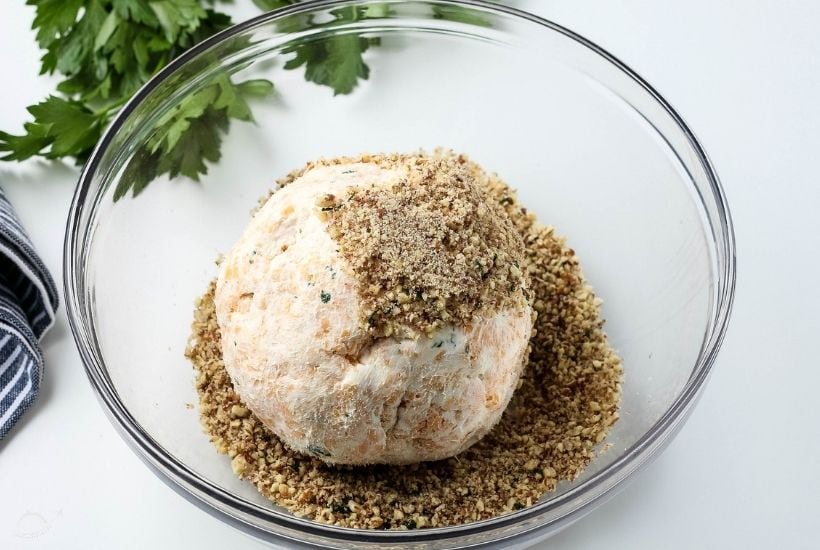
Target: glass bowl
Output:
[{"x": 591, "y": 147}]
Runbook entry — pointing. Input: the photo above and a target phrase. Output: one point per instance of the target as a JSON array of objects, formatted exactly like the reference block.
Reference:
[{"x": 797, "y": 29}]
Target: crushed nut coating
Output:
[{"x": 566, "y": 403}]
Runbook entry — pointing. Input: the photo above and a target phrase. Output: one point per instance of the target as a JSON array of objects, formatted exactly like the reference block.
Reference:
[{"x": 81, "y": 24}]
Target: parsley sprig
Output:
[{"x": 105, "y": 50}]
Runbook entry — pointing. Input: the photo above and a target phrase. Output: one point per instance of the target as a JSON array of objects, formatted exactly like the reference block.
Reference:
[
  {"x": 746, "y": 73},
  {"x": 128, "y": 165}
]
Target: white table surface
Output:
[{"x": 744, "y": 471}]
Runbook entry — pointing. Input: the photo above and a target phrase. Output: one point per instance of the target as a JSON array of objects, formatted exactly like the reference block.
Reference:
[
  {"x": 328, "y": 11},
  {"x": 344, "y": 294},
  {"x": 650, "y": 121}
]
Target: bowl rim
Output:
[{"x": 186, "y": 479}]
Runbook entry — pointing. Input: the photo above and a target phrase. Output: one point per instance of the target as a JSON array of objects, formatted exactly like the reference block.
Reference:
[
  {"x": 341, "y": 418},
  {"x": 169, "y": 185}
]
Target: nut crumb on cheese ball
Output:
[{"x": 373, "y": 310}]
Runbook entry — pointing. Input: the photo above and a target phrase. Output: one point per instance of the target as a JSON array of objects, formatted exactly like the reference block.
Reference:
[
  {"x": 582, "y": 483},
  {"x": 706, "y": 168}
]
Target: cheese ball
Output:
[{"x": 290, "y": 310}]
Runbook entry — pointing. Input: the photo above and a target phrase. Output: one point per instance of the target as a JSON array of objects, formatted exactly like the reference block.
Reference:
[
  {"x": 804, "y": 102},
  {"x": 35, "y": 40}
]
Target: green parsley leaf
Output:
[
  {"x": 178, "y": 17},
  {"x": 138, "y": 11},
  {"x": 26, "y": 146},
  {"x": 336, "y": 60},
  {"x": 189, "y": 136},
  {"x": 72, "y": 126},
  {"x": 60, "y": 128},
  {"x": 54, "y": 18}
]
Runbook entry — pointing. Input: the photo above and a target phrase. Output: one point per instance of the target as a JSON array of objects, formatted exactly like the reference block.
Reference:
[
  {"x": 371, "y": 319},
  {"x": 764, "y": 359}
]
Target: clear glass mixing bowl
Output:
[{"x": 593, "y": 149}]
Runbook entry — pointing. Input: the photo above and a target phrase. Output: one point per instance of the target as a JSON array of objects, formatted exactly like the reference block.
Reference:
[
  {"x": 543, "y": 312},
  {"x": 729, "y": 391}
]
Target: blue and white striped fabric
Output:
[{"x": 28, "y": 299}]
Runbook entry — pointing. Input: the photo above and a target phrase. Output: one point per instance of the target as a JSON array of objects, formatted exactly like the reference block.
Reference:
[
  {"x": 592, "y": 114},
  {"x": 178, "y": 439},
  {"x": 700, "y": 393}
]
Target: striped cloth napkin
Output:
[{"x": 28, "y": 299}]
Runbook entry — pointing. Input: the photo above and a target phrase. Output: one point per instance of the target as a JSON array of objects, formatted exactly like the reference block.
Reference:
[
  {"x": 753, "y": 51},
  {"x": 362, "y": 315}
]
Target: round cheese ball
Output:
[{"x": 300, "y": 358}]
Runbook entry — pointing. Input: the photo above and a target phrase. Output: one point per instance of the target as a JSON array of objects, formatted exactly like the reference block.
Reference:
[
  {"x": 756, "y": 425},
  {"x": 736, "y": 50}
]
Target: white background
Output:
[{"x": 744, "y": 471}]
